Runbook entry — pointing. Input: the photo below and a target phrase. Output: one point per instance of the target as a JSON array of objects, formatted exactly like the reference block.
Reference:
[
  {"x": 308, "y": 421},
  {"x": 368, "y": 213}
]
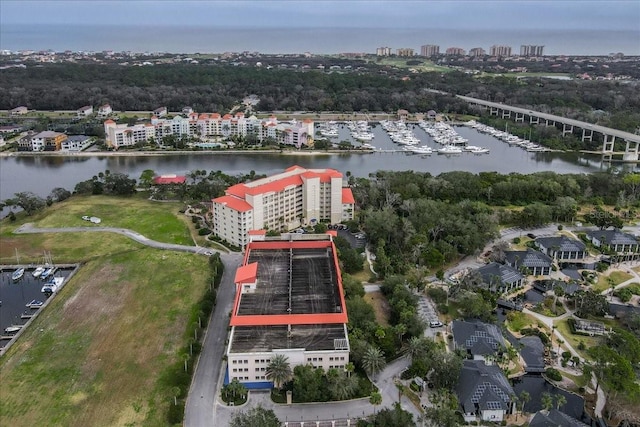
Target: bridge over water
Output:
[{"x": 609, "y": 135}]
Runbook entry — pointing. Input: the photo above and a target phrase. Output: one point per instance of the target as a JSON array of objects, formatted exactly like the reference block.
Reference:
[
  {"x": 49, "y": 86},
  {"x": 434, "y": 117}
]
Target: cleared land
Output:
[
  {"x": 96, "y": 354},
  {"x": 380, "y": 307}
]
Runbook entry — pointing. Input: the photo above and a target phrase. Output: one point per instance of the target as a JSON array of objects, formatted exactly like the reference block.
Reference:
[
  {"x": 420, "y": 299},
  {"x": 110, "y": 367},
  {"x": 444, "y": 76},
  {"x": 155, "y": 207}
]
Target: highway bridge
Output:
[{"x": 609, "y": 135}]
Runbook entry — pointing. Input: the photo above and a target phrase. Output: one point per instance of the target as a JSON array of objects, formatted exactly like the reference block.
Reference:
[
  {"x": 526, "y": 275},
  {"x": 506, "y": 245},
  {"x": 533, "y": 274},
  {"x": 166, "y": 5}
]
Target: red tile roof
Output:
[
  {"x": 257, "y": 232},
  {"x": 247, "y": 273},
  {"x": 169, "y": 179},
  {"x": 109, "y": 122},
  {"x": 347, "y": 196},
  {"x": 226, "y": 116},
  {"x": 234, "y": 203},
  {"x": 240, "y": 190}
]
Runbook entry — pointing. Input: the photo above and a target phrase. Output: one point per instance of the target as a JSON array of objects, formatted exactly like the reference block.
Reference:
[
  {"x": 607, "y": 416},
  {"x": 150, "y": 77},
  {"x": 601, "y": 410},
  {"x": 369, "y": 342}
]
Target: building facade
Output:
[
  {"x": 122, "y": 135},
  {"x": 455, "y": 51},
  {"x": 429, "y": 50},
  {"x": 85, "y": 111},
  {"x": 282, "y": 202},
  {"x": 500, "y": 50},
  {"x": 105, "y": 110},
  {"x": 289, "y": 301},
  {"x": 405, "y": 51},
  {"x": 531, "y": 50},
  {"x": 383, "y": 51},
  {"x": 477, "y": 52},
  {"x": 47, "y": 141}
]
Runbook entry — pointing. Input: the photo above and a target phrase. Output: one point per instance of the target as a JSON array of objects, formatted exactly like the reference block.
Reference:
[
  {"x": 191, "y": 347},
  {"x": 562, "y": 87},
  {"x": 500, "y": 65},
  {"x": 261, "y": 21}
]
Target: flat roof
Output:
[
  {"x": 298, "y": 282},
  {"x": 246, "y": 339}
]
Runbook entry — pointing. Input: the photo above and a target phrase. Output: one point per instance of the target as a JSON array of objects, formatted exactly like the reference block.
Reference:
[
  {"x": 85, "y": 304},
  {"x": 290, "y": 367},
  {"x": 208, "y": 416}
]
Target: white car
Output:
[
  {"x": 435, "y": 324},
  {"x": 86, "y": 218}
]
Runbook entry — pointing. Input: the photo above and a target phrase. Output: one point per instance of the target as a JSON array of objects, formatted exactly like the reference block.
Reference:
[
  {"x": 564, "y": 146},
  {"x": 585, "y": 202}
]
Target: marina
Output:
[{"x": 21, "y": 301}]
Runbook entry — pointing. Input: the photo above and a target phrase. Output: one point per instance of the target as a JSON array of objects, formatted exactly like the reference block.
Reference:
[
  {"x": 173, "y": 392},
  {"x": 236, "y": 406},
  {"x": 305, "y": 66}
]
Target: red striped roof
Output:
[
  {"x": 347, "y": 196},
  {"x": 234, "y": 203},
  {"x": 169, "y": 179},
  {"x": 247, "y": 273},
  {"x": 257, "y": 232}
]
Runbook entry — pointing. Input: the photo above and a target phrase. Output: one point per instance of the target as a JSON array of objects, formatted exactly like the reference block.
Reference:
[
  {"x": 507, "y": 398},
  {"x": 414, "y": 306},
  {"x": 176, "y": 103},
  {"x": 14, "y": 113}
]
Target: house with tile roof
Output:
[
  {"x": 535, "y": 262},
  {"x": 562, "y": 248},
  {"x": 500, "y": 278},
  {"x": 484, "y": 392},
  {"x": 282, "y": 202},
  {"x": 480, "y": 340}
]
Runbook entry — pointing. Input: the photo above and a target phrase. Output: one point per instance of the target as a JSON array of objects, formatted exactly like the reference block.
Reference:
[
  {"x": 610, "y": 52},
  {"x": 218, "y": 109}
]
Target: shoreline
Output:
[{"x": 177, "y": 152}]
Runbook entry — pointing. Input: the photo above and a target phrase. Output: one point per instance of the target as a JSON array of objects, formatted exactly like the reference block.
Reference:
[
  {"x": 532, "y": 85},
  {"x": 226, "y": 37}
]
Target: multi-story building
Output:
[
  {"x": 499, "y": 50},
  {"x": 19, "y": 111},
  {"x": 160, "y": 112},
  {"x": 404, "y": 51},
  {"x": 383, "y": 51},
  {"x": 429, "y": 50},
  {"x": 531, "y": 50},
  {"x": 455, "y": 51},
  {"x": 105, "y": 110},
  {"x": 47, "y": 141},
  {"x": 85, "y": 111},
  {"x": 284, "y": 201},
  {"x": 122, "y": 135},
  {"x": 477, "y": 52},
  {"x": 289, "y": 301},
  {"x": 76, "y": 143}
]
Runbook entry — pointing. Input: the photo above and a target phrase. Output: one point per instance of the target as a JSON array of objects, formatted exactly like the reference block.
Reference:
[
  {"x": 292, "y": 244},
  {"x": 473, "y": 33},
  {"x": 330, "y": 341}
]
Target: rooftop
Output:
[
  {"x": 561, "y": 243},
  {"x": 613, "y": 237},
  {"x": 267, "y": 338}
]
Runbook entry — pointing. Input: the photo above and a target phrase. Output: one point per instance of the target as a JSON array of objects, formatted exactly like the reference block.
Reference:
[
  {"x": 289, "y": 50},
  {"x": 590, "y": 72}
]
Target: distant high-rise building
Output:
[
  {"x": 383, "y": 51},
  {"x": 499, "y": 50},
  {"x": 531, "y": 50},
  {"x": 455, "y": 51},
  {"x": 405, "y": 51},
  {"x": 429, "y": 50},
  {"x": 476, "y": 52}
]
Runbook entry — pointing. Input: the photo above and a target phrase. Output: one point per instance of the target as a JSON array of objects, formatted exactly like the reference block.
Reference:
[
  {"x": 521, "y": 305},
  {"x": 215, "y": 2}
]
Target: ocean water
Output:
[{"x": 194, "y": 39}]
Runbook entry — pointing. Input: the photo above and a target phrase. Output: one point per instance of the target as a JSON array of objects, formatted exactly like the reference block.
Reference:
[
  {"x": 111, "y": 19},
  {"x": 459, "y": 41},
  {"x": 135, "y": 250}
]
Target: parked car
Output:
[{"x": 435, "y": 324}]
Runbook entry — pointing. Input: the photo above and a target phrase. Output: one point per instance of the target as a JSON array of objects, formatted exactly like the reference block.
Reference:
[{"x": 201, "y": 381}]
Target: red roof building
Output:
[{"x": 169, "y": 179}]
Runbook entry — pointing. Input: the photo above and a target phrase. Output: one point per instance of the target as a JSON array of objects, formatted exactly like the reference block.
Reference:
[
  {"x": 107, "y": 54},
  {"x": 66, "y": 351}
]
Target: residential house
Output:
[
  {"x": 554, "y": 418},
  {"x": 85, "y": 111},
  {"x": 403, "y": 115},
  {"x": 562, "y": 248},
  {"x": 481, "y": 340},
  {"x": 484, "y": 392},
  {"x": 535, "y": 262},
  {"x": 105, "y": 110},
  {"x": 19, "y": 111},
  {"x": 7, "y": 129},
  {"x": 500, "y": 278},
  {"x": 47, "y": 141},
  {"x": 76, "y": 143},
  {"x": 187, "y": 110},
  {"x": 624, "y": 245},
  {"x": 532, "y": 353}
]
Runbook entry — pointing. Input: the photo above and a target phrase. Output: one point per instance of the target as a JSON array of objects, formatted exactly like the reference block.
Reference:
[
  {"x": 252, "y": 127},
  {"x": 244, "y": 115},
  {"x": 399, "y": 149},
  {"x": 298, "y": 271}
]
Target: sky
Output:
[{"x": 478, "y": 14}]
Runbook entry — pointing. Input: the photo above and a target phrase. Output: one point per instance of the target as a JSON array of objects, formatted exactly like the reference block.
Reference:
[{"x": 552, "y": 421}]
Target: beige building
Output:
[
  {"x": 121, "y": 135},
  {"x": 282, "y": 202}
]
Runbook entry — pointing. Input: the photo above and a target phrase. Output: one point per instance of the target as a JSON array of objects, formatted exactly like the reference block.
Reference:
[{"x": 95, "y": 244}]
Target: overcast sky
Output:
[{"x": 480, "y": 14}]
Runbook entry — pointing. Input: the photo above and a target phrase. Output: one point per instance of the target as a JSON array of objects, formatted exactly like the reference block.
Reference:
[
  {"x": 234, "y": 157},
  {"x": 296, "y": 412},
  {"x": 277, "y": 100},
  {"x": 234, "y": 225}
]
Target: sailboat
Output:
[{"x": 19, "y": 273}]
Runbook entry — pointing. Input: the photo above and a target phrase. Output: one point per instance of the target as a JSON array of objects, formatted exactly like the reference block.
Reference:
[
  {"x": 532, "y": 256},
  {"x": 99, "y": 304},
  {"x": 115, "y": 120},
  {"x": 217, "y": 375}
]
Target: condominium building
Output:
[
  {"x": 477, "y": 52},
  {"x": 282, "y": 202},
  {"x": 499, "y": 50},
  {"x": 405, "y": 51},
  {"x": 531, "y": 50},
  {"x": 429, "y": 50},
  {"x": 105, "y": 110},
  {"x": 47, "y": 141},
  {"x": 383, "y": 51},
  {"x": 122, "y": 135},
  {"x": 455, "y": 51},
  {"x": 289, "y": 301},
  {"x": 85, "y": 111}
]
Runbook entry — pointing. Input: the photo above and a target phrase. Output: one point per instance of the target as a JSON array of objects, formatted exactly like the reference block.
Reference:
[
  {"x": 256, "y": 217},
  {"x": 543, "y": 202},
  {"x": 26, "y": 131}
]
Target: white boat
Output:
[
  {"x": 52, "y": 286},
  {"x": 17, "y": 275},
  {"x": 12, "y": 329},
  {"x": 35, "y": 304},
  {"x": 95, "y": 220},
  {"x": 47, "y": 272},
  {"x": 38, "y": 271},
  {"x": 449, "y": 149},
  {"x": 424, "y": 149},
  {"x": 476, "y": 150}
]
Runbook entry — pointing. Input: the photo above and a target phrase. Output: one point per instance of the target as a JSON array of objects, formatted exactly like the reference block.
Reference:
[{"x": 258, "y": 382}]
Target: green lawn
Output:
[
  {"x": 425, "y": 66},
  {"x": 94, "y": 356},
  {"x": 565, "y": 330},
  {"x": 616, "y": 277}
]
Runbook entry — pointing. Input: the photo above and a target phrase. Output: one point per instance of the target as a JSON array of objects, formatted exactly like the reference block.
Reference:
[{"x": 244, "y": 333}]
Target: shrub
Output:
[
  {"x": 554, "y": 374},
  {"x": 516, "y": 240},
  {"x": 204, "y": 231},
  {"x": 560, "y": 227},
  {"x": 582, "y": 346}
]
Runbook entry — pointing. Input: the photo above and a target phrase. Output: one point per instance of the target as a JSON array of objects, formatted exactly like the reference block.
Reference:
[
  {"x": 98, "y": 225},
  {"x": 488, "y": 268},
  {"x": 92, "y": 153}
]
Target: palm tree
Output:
[
  {"x": 349, "y": 368},
  {"x": 232, "y": 390},
  {"x": 375, "y": 399},
  {"x": 418, "y": 348},
  {"x": 373, "y": 360},
  {"x": 560, "y": 400},
  {"x": 341, "y": 386},
  {"x": 524, "y": 398},
  {"x": 278, "y": 370},
  {"x": 546, "y": 401}
]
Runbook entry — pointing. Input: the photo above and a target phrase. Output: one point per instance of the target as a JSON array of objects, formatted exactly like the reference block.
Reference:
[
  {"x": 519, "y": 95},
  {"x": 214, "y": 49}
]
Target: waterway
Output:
[{"x": 42, "y": 174}]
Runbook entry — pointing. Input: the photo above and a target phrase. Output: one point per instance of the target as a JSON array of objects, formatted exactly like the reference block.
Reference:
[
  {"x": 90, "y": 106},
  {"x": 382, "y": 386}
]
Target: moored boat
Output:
[
  {"x": 38, "y": 271},
  {"x": 35, "y": 304},
  {"x": 449, "y": 149},
  {"x": 12, "y": 329},
  {"x": 17, "y": 275}
]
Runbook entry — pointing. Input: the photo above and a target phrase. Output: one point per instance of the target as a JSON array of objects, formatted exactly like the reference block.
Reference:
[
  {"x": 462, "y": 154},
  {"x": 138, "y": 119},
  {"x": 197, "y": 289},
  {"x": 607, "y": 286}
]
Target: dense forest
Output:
[{"x": 219, "y": 87}]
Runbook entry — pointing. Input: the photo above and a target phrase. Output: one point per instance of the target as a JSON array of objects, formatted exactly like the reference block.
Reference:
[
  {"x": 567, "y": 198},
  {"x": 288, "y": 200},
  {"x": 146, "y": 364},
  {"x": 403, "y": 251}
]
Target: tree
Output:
[
  {"x": 546, "y": 401},
  {"x": 419, "y": 347},
  {"x": 146, "y": 178},
  {"x": 393, "y": 417},
  {"x": 560, "y": 400},
  {"x": 524, "y": 398},
  {"x": 257, "y": 416},
  {"x": 341, "y": 386},
  {"x": 375, "y": 399},
  {"x": 278, "y": 370},
  {"x": 59, "y": 194},
  {"x": 28, "y": 201},
  {"x": 590, "y": 303},
  {"x": 119, "y": 184},
  {"x": 235, "y": 389},
  {"x": 373, "y": 360}
]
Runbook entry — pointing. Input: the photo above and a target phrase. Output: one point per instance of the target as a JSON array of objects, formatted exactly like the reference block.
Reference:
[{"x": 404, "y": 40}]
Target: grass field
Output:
[
  {"x": 616, "y": 277},
  {"x": 425, "y": 66},
  {"x": 380, "y": 307},
  {"x": 564, "y": 329},
  {"x": 96, "y": 354}
]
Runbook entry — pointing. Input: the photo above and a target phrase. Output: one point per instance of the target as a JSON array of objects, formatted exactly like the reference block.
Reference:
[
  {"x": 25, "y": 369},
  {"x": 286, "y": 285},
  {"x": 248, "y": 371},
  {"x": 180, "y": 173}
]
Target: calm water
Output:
[{"x": 41, "y": 174}]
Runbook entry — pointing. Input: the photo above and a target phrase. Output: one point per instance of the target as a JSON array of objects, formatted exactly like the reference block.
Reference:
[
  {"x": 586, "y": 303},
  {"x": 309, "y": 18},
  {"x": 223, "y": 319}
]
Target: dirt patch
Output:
[{"x": 380, "y": 306}]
